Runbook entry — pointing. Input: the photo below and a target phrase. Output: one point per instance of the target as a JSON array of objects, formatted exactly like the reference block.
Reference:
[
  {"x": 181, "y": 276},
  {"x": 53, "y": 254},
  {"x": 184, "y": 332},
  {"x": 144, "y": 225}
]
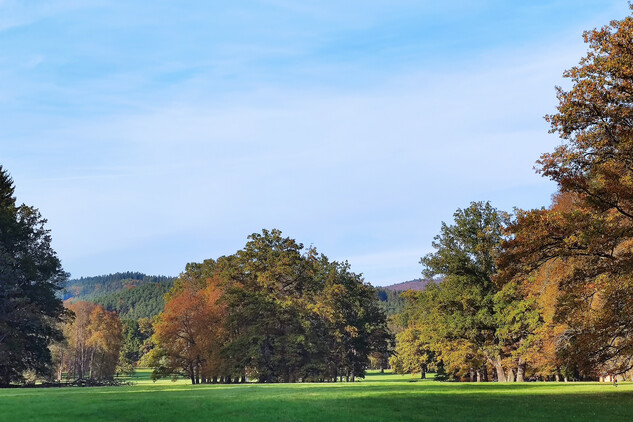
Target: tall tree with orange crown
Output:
[{"x": 592, "y": 235}]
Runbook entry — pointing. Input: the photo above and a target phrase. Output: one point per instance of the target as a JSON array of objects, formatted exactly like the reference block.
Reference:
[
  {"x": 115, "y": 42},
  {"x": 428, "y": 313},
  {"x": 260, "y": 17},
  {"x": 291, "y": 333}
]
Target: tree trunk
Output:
[
  {"x": 510, "y": 375},
  {"x": 91, "y": 363},
  {"x": 501, "y": 377},
  {"x": 521, "y": 371},
  {"x": 61, "y": 366}
]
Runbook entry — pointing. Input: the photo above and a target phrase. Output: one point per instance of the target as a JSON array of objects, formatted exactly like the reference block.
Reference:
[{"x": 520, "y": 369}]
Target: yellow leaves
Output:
[
  {"x": 93, "y": 330},
  {"x": 352, "y": 331}
]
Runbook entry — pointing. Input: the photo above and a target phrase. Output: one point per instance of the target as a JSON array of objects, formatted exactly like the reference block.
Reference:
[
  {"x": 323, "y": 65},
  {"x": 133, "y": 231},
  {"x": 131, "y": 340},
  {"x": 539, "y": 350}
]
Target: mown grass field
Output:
[{"x": 378, "y": 398}]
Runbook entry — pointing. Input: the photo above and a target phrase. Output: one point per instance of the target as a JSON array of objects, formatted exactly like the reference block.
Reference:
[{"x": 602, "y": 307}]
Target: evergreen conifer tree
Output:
[{"x": 30, "y": 275}]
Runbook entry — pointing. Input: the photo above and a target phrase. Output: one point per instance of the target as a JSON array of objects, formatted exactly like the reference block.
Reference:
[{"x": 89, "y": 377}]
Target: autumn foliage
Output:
[
  {"x": 562, "y": 301},
  {"x": 191, "y": 332},
  {"x": 586, "y": 237},
  {"x": 270, "y": 313},
  {"x": 93, "y": 343}
]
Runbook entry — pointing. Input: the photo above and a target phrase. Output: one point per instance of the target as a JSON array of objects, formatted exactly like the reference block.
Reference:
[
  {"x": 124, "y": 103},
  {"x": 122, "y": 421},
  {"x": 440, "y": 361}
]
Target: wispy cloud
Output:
[{"x": 146, "y": 148}]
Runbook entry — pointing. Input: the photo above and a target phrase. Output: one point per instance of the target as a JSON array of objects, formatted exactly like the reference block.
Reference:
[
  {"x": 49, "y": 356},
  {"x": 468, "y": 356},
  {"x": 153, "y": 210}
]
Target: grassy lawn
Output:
[{"x": 378, "y": 398}]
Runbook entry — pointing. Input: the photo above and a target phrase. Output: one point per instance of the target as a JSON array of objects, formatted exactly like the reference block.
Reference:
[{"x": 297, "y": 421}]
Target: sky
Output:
[{"x": 155, "y": 133}]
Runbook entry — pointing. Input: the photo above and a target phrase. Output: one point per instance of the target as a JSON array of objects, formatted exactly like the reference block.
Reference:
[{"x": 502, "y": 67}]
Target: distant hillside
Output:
[
  {"x": 418, "y": 284},
  {"x": 389, "y": 296},
  {"x": 131, "y": 294},
  {"x": 144, "y": 301},
  {"x": 86, "y": 287},
  {"x": 390, "y": 301}
]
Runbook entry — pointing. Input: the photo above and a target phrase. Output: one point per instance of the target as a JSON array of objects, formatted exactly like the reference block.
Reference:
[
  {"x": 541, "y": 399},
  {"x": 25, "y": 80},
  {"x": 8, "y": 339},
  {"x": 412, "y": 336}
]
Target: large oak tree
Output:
[{"x": 591, "y": 236}]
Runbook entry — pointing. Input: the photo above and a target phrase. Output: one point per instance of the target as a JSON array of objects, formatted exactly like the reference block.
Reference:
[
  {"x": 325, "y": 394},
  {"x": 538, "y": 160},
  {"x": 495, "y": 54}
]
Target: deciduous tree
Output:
[
  {"x": 93, "y": 342},
  {"x": 464, "y": 326},
  {"x": 190, "y": 334}
]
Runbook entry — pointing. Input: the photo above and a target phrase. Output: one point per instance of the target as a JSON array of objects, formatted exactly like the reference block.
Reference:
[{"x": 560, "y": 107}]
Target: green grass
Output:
[{"x": 380, "y": 397}]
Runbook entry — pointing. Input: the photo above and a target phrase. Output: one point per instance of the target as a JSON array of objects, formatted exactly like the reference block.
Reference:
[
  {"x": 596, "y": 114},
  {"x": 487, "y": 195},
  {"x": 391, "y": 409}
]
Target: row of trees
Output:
[
  {"x": 546, "y": 292},
  {"x": 272, "y": 312}
]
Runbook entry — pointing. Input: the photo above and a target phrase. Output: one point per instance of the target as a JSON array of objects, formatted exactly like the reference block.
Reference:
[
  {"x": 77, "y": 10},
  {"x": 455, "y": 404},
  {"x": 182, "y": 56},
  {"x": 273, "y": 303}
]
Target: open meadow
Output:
[{"x": 377, "y": 398}]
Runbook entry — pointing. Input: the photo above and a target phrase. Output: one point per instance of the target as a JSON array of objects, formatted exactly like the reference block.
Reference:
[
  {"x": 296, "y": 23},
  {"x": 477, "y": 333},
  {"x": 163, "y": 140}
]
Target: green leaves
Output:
[
  {"x": 290, "y": 314},
  {"x": 454, "y": 321}
]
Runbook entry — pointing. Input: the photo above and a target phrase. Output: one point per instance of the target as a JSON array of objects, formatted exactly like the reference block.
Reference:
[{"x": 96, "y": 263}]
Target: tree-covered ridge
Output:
[
  {"x": 144, "y": 301},
  {"x": 390, "y": 300},
  {"x": 390, "y": 297},
  {"x": 89, "y": 288},
  {"x": 417, "y": 284}
]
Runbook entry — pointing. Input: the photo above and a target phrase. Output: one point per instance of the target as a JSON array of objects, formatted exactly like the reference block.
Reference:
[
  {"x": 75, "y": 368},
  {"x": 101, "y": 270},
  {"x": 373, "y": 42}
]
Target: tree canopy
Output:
[
  {"x": 586, "y": 235},
  {"x": 271, "y": 312}
]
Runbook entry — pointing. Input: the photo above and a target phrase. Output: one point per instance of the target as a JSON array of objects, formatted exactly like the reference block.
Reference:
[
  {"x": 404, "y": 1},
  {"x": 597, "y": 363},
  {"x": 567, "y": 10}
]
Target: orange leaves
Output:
[
  {"x": 594, "y": 121},
  {"x": 105, "y": 328},
  {"x": 191, "y": 330}
]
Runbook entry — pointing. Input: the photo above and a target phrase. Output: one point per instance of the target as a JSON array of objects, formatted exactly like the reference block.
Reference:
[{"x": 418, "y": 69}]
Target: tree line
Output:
[
  {"x": 544, "y": 293},
  {"x": 272, "y": 312},
  {"x": 95, "y": 287}
]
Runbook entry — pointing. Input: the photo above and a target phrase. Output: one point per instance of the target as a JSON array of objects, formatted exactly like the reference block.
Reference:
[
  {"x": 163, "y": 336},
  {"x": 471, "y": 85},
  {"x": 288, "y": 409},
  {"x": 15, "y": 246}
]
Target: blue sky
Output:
[{"x": 153, "y": 133}]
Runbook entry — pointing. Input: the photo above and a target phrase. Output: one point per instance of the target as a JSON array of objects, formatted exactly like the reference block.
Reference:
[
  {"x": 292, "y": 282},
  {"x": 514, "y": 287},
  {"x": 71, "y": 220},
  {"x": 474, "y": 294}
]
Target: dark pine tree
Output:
[{"x": 30, "y": 276}]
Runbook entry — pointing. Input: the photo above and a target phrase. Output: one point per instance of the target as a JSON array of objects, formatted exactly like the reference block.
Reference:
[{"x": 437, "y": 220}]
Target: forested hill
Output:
[
  {"x": 390, "y": 301},
  {"x": 132, "y": 295},
  {"x": 87, "y": 287},
  {"x": 417, "y": 284},
  {"x": 389, "y": 296}
]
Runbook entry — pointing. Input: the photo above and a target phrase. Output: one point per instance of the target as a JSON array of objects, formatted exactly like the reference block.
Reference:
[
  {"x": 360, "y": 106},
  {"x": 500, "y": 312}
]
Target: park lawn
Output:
[{"x": 379, "y": 397}]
